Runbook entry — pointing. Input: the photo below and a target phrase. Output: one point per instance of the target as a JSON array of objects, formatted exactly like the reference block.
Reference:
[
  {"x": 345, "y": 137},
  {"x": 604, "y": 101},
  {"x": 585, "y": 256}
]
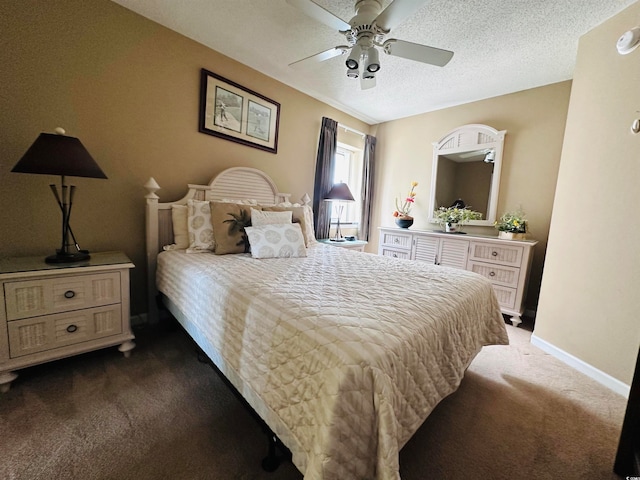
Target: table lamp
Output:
[
  {"x": 339, "y": 192},
  {"x": 58, "y": 154}
]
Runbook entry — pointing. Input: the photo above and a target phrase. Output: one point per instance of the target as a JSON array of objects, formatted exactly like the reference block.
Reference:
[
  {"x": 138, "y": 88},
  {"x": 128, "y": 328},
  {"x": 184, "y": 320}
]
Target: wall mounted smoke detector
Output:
[{"x": 629, "y": 41}]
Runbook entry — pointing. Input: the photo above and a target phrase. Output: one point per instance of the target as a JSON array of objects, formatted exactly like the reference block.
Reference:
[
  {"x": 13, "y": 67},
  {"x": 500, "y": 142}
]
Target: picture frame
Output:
[{"x": 230, "y": 111}]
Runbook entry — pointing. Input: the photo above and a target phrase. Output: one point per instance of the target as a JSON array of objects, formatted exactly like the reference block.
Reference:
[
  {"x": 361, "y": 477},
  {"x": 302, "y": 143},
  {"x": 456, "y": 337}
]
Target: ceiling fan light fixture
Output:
[
  {"x": 372, "y": 63},
  {"x": 368, "y": 75},
  {"x": 490, "y": 156},
  {"x": 353, "y": 61},
  {"x": 352, "y": 73}
]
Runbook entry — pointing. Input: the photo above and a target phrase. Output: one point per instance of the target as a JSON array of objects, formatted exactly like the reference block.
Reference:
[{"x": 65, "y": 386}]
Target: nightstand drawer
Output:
[
  {"x": 33, "y": 335},
  {"x": 395, "y": 253},
  {"x": 402, "y": 240},
  {"x": 32, "y": 298},
  {"x": 506, "y": 296},
  {"x": 497, "y": 274},
  {"x": 500, "y": 254}
]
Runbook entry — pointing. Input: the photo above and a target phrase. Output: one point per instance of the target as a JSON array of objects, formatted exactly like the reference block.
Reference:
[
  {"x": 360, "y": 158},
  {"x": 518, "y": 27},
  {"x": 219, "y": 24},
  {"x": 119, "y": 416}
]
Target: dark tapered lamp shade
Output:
[
  {"x": 53, "y": 154},
  {"x": 65, "y": 156},
  {"x": 339, "y": 193}
]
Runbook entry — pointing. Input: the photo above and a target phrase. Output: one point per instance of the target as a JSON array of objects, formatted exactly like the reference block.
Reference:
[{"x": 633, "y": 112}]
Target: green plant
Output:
[
  {"x": 403, "y": 208},
  {"x": 449, "y": 215},
  {"x": 514, "y": 222}
]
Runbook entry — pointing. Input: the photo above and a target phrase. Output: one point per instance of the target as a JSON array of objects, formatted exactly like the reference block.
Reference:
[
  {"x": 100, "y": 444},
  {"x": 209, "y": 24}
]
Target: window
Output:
[{"x": 348, "y": 169}]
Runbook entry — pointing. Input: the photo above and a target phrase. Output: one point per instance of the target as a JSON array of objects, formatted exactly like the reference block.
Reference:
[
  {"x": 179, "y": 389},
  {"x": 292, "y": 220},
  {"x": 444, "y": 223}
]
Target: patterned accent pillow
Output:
[
  {"x": 303, "y": 215},
  {"x": 229, "y": 221},
  {"x": 259, "y": 217},
  {"x": 199, "y": 226},
  {"x": 282, "y": 240}
]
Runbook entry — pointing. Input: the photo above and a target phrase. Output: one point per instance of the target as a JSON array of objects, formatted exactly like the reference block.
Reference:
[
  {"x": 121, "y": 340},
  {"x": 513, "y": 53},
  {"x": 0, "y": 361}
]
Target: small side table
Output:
[
  {"x": 357, "y": 245},
  {"x": 52, "y": 311}
]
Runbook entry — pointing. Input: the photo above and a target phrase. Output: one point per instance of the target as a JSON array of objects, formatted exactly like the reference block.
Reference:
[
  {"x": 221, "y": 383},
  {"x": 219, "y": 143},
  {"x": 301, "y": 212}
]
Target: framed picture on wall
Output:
[{"x": 230, "y": 111}]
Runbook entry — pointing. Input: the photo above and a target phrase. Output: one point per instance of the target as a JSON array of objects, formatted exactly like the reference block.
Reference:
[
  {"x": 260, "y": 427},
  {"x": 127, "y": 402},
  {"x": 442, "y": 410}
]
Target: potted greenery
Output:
[
  {"x": 512, "y": 225},
  {"x": 451, "y": 219}
]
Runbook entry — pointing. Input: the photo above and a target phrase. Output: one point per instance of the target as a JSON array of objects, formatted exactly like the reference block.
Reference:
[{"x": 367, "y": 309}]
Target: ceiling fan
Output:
[{"x": 365, "y": 33}]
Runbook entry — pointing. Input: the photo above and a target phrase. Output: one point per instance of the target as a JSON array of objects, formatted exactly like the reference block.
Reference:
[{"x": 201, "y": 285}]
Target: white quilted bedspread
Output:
[{"x": 343, "y": 354}]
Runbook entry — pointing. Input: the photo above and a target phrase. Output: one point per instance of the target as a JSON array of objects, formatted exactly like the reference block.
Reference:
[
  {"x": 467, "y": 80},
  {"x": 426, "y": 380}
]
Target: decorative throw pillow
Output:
[
  {"x": 276, "y": 241},
  {"x": 229, "y": 221},
  {"x": 259, "y": 217},
  {"x": 179, "y": 217},
  {"x": 303, "y": 215},
  {"x": 199, "y": 226}
]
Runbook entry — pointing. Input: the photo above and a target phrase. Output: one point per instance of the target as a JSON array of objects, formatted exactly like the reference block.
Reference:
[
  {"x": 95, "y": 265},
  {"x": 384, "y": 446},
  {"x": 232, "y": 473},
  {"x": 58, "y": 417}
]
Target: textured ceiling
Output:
[{"x": 500, "y": 47}]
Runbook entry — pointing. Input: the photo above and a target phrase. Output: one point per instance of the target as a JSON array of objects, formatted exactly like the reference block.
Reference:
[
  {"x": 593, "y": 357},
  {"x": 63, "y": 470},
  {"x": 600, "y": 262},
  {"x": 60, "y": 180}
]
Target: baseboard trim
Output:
[{"x": 582, "y": 366}]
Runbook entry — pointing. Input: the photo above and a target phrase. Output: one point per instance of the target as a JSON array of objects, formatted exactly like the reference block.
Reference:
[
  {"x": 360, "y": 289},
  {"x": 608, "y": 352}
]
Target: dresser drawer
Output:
[
  {"x": 499, "y": 254},
  {"x": 32, "y": 298},
  {"x": 395, "y": 253},
  {"x": 34, "y": 335},
  {"x": 396, "y": 239},
  {"x": 497, "y": 274},
  {"x": 506, "y": 296}
]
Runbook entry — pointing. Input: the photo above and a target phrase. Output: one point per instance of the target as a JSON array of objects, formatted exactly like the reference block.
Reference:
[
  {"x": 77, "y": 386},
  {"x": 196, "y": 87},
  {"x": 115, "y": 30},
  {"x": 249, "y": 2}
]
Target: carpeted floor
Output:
[{"x": 162, "y": 414}]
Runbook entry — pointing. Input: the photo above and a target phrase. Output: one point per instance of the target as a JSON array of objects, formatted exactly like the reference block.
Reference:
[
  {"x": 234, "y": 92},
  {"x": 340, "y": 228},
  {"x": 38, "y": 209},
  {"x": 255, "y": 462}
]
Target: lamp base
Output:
[{"x": 68, "y": 257}]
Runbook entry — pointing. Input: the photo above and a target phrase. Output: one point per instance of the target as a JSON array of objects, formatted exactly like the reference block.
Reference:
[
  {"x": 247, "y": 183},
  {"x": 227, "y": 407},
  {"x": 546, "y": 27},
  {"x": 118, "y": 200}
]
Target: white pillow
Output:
[
  {"x": 199, "y": 226},
  {"x": 302, "y": 214},
  {"x": 259, "y": 217},
  {"x": 179, "y": 217},
  {"x": 276, "y": 241}
]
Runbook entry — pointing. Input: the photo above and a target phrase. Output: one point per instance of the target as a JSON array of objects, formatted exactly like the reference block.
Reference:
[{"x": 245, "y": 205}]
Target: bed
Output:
[{"x": 342, "y": 354}]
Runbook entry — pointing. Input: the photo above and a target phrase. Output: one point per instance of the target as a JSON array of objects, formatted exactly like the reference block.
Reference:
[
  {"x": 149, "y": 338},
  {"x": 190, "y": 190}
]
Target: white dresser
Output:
[
  {"x": 55, "y": 311},
  {"x": 505, "y": 263}
]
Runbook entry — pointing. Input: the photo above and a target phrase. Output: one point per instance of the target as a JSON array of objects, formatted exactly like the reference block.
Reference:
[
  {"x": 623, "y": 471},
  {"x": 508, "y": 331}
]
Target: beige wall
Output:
[
  {"x": 590, "y": 301},
  {"x": 129, "y": 89},
  {"x": 534, "y": 121}
]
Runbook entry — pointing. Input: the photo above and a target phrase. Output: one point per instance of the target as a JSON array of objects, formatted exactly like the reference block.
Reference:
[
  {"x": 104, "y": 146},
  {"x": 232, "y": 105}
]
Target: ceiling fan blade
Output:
[
  {"x": 320, "y": 14},
  {"x": 367, "y": 83},
  {"x": 320, "y": 57},
  {"x": 417, "y": 52},
  {"x": 397, "y": 12}
]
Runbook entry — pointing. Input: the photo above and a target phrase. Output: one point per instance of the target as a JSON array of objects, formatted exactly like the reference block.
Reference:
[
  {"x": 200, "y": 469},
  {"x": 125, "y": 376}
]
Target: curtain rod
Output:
[{"x": 353, "y": 130}]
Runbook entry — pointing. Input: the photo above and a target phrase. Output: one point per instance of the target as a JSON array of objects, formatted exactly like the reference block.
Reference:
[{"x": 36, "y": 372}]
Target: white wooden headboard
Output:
[{"x": 237, "y": 183}]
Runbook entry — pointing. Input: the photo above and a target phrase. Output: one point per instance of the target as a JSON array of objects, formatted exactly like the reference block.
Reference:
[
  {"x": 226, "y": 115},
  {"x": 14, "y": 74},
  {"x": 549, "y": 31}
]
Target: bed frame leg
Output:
[{"x": 271, "y": 462}]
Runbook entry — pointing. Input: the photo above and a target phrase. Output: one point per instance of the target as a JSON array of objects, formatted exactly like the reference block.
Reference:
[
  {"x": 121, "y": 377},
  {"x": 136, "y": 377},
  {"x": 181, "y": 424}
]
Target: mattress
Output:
[{"x": 343, "y": 354}]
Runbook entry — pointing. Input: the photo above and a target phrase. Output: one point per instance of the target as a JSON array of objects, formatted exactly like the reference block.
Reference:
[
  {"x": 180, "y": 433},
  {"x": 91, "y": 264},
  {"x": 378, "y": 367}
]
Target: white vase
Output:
[
  {"x": 451, "y": 227},
  {"x": 512, "y": 235}
]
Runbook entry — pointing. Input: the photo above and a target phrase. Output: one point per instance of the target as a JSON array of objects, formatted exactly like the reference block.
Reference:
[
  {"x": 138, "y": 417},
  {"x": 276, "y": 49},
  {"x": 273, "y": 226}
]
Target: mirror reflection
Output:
[
  {"x": 466, "y": 169},
  {"x": 465, "y": 177}
]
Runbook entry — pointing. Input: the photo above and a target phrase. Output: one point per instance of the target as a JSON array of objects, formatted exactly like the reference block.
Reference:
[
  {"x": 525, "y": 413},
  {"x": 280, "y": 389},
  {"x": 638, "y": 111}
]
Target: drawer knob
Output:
[
  {"x": 494, "y": 253},
  {"x": 72, "y": 328},
  {"x": 396, "y": 240},
  {"x": 69, "y": 294},
  {"x": 492, "y": 274}
]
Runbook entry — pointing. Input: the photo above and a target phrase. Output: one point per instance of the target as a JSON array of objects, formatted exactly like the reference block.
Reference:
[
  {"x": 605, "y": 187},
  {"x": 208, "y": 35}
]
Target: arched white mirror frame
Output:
[{"x": 468, "y": 139}]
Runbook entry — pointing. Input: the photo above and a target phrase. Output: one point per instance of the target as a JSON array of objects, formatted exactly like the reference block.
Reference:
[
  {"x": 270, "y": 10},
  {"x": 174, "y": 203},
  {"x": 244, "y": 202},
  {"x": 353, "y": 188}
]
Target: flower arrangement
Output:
[
  {"x": 403, "y": 208},
  {"x": 446, "y": 216},
  {"x": 512, "y": 222}
]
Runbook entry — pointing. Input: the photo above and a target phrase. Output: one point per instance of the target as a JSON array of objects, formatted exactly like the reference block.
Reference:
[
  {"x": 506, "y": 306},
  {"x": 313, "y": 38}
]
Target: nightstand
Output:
[
  {"x": 357, "y": 245},
  {"x": 52, "y": 311}
]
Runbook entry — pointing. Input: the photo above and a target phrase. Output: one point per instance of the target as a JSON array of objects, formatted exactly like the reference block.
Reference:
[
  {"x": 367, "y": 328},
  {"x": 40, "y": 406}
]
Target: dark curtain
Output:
[
  {"x": 368, "y": 168},
  {"x": 324, "y": 177}
]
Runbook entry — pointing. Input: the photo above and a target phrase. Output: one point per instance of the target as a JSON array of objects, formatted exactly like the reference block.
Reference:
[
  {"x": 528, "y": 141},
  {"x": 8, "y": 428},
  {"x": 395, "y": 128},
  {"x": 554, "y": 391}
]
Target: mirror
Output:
[{"x": 466, "y": 166}]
